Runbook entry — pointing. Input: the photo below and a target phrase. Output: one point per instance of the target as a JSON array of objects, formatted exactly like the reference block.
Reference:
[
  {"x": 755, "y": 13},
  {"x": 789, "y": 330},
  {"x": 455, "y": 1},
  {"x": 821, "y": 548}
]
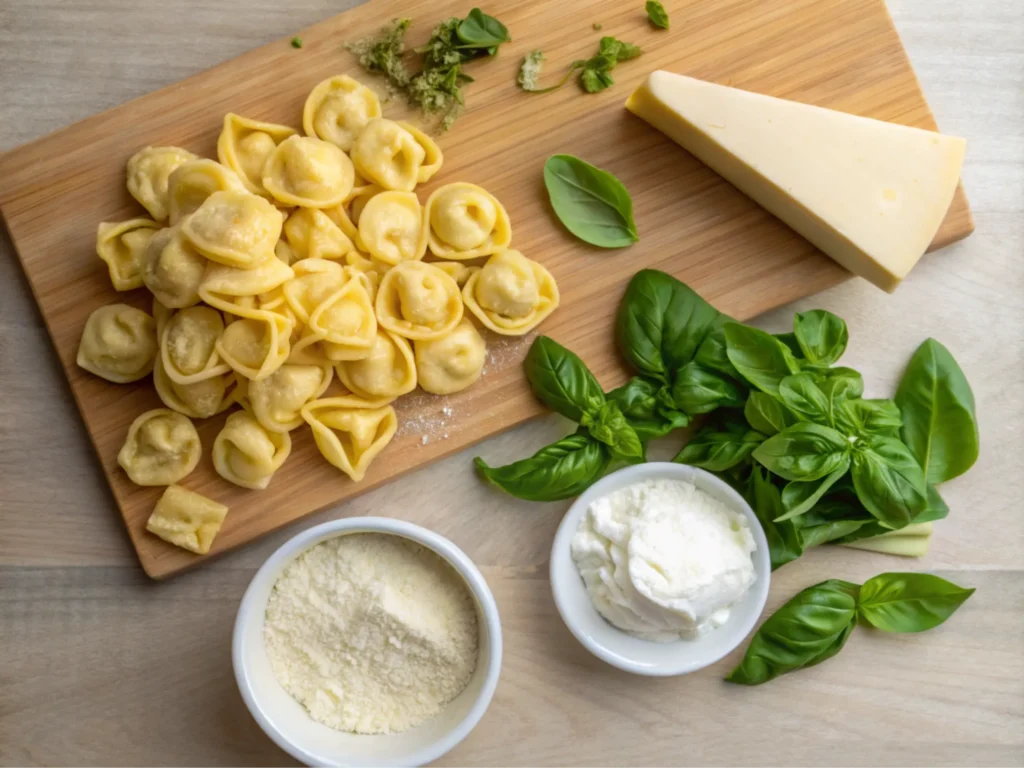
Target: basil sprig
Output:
[
  {"x": 590, "y": 202},
  {"x": 558, "y": 471},
  {"x": 657, "y": 14},
  {"x": 815, "y": 624}
]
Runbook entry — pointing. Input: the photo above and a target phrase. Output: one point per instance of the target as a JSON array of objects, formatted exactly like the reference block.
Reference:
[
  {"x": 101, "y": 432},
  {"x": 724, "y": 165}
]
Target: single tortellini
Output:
[
  {"x": 162, "y": 447},
  {"x": 465, "y": 221},
  {"x": 451, "y": 363},
  {"x": 309, "y": 172},
  {"x": 432, "y": 155},
  {"x": 199, "y": 400},
  {"x": 122, "y": 245},
  {"x": 257, "y": 344},
  {"x": 511, "y": 294},
  {"x": 312, "y": 234},
  {"x": 345, "y": 322},
  {"x": 234, "y": 228},
  {"x": 247, "y": 454},
  {"x": 222, "y": 286},
  {"x": 350, "y": 432},
  {"x": 389, "y": 371},
  {"x": 338, "y": 109},
  {"x": 148, "y": 172},
  {"x": 244, "y": 146},
  {"x": 192, "y": 182},
  {"x": 391, "y": 227},
  {"x": 188, "y": 344},
  {"x": 388, "y": 155},
  {"x": 118, "y": 344},
  {"x": 187, "y": 519},
  {"x": 315, "y": 280},
  {"x": 172, "y": 269},
  {"x": 277, "y": 400},
  {"x": 418, "y": 301}
]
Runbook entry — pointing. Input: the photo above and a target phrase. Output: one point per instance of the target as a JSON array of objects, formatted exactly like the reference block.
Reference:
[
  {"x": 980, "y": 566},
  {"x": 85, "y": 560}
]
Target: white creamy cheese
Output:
[{"x": 663, "y": 560}]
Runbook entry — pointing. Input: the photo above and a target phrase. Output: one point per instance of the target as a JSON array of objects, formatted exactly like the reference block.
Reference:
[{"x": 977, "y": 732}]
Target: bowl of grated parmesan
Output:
[{"x": 367, "y": 641}]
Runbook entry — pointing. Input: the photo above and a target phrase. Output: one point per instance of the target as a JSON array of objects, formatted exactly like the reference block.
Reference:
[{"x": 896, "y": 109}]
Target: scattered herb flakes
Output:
[
  {"x": 657, "y": 14},
  {"x": 598, "y": 26},
  {"x": 296, "y": 42},
  {"x": 383, "y": 54},
  {"x": 594, "y": 72},
  {"x": 529, "y": 72}
]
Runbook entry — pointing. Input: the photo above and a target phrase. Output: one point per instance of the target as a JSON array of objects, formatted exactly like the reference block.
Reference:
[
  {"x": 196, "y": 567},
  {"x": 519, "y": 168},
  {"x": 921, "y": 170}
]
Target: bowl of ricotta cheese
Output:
[{"x": 660, "y": 569}]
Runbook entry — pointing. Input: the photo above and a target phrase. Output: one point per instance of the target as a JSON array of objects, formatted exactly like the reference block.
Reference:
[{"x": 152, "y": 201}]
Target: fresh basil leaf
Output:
[
  {"x": 799, "y": 497},
  {"x": 657, "y": 14},
  {"x": 825, "y": 532},
  {"x": 561, "y": 380},
  {"x": 821, "y": 335},
  {"x": 610, "y": 427},
  {"x": 868, "y": 417},
  {"x": 478, "y": 30},
  {"x": 784, "y": 544},
  {"x": 595, "y": 80},
  {"x": 939, "y": 422},
  {"x": 558, "y": 471},
  {"x": 637, "y": 399},
  {"x": 909, "y": 602},
  {"x": 935, "y": 509},
  {"x": 616, "y": 50},
  {"x": 718, "y": 451},
  {"x": 712, "y": 354},
  {"x": 804, "y": 398},
  {"x": 889, "y": 481},
  {"x": 697, "y": 390},
  {"x": 591, "y": 203},
  {"x": 759, "y": 357},
  {"x": 789, "y": 339},
  {"x": 803, "y": 452},
  {"x": 812, "y": 627},
  {"x": 766, "y": 414}
]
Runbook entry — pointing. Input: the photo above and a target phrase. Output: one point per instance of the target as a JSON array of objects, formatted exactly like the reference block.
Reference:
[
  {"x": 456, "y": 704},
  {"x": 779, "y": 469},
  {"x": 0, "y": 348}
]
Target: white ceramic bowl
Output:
[
  {"x": 622, "y": 650},
  {"x": 285, "y": 720}
]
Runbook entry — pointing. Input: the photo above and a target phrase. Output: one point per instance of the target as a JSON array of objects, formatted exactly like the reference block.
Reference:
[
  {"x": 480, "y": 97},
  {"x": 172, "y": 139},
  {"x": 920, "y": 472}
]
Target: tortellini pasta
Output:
[
  {"x": 388, "y": 155},
  {"x": 172, "y": 269},
  {"x": 391, "y": 227},
  {"x": 199, "y": 400},
  {"x": 511, "y": 294},
  {"x": 244, "y": 146},
  {"x": 234, "y": 228},
  {"x": 192, "y": 182},
  {"x": 389, "y": 371},
  {"x": 247, "y": 454},
  {"x": 277, "y": 400},
  {"x": 188, "y": 343},
  {"x": 465, "y": 221},
  {"x": 338, "y": 109},
  {"x": 162, "y": 447},
  {"x": 350, "y": 432},
  {"x": 257, "y": 344},
  {"x": 345, "y": 322},
  {"x": 187, "y": 519},
  {"x": 451, "y": 363},
  {"x": 148, "y": 172},
  {"x": 456, "y": 270},
  {"x": 432, "y": 155},
  {"x": 118, "y": 344},
  {"x": 122, "y": 245},
  {"x": 418, "y": 301},
  {"x": 222, "y": 286},
  {"x": 310, "y": 172},
  {"x": 312, "y": 234}
]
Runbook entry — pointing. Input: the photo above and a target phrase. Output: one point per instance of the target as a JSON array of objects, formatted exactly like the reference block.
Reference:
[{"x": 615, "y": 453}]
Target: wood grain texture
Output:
[
  {"x": 843, "y": 54},
  {"x": 100, "y": 666}
]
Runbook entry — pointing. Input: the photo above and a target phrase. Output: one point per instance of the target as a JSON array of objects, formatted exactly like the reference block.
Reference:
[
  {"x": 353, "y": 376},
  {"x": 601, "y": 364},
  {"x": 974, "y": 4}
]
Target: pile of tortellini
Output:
[{"x": 291, "y": 261}]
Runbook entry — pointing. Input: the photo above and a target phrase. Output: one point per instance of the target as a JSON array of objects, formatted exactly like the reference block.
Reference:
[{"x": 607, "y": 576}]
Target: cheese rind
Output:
[{"x": 870, "y": 194}]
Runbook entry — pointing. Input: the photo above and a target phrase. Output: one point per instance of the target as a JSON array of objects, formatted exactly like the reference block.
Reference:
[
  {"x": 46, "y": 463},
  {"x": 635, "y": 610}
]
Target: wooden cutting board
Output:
[{"x": 843, "y": 54}]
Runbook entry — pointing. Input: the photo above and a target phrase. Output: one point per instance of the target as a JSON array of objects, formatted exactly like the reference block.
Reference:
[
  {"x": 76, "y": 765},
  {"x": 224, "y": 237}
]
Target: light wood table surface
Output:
[{"x": 100, "y": 666}]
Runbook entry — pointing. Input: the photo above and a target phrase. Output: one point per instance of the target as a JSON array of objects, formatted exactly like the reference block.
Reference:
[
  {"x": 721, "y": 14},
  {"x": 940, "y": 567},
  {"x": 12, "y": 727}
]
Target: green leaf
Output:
[
  {"x": 804, "y": 452},
  {"x": 759, "y": 357},
  {"x": 909, "y": 602},
  {"x": 591, "y": 203},
  {"x": 617, "y": 50},
  {"x": 561, "y": 380},
  {"x": 657, "y": 14},
  {"x": 889, "y": 481},
  {"x": 789, "y": 339},
  {"x": 799, "y": 497},
  {"x": 610, "y": 427},
  {"x": 766, "y": 414},
  {"x": 784, "y": 544},
  {"x": 296, "y": 42},
  {"x": 712, "y": 353},
  {"x": 866, "y": 418},
  {"x": 697, "y": 390},
  {"x": 825, "y": 532},
  {"x": 812, "y": 627},
  {"x": 821, "y": 335},
  {"x": 939, "y": 422},
  {"x": 718, "y": 451},
  {"x": 595, "y": 80},
  {"x": 637, "y": 399},
  {"x": 935, "y": 509},
  {"x": 478, "y": 30},
  {"x": 804, "y": 398},
  {"x": 558, "y": 471}
]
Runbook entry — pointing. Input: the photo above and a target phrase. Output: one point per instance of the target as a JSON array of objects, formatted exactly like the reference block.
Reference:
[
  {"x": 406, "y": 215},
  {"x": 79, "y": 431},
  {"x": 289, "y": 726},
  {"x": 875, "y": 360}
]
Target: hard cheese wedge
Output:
[{"x": 868, "y": 193}]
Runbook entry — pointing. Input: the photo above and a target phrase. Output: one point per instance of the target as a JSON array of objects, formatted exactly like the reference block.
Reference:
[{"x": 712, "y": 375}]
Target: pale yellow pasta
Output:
[
  {"x": 350, "y": 432},
  {"x": 338, "y": 109},
  {"x": 360, "y": 187},
  {"x": 432, "y": 156},
  {"x": 121, "y": 246},
  {"x": 118, "y": 344},
  {"x": 388, "y": 155},
  {"x": 192, "y": 182},
  {"x": 391, "y": 227},
  {"x": 234, "y": 228},
  {"x": 188, "y": 343},
  {"x": 162, "y": 314},
  {"x": 222, "y": 286},
  {"x": 388, "y": 372},
  {"x": 465, "y": 221},
  {"x": 172, "y": 269},
  {"x": 315, "y": 280},
  {"x": 244, "y": 146},
  {"x": 456, "y": 270},
  {"x": 371, "y": 272},
  {"x": 418, "y": 301},
  {"x": 309, "y": 172},
  {"x": 284, "y": 252},
  {"x": 148, "y": 172},
  {"x": 247, "y": 454},
  {"x": 277, "y": 400},
  {"x": 312, "y": 234},
  {"x": 199, "y": 400},
  {"x": 451, "y": 363},
  {"x": 187, "y": 519},
  {"x": 511, "y": 294},
  {"x": 161, "y": 448},
  {"x": 257, "y": 344},
  {"x": 345, "y": 322}
]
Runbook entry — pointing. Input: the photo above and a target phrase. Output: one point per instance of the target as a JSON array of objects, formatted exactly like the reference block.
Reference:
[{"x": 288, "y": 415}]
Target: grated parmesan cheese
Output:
[{"x": 372, "y": 633}]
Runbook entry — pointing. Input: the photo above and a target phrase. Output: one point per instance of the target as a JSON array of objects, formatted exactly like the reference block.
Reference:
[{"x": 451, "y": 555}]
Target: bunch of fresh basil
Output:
[{"x": 815, "y": 624}]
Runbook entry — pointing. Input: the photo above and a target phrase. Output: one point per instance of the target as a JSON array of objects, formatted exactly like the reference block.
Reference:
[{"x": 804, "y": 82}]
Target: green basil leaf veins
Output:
[
  {"x": 759, "y": 357},
  {"x": 804, "y": 452},
  {"x": 478, "y": 30},
  {"x": 561, "y": 380},
  {"x": 799, "y": 497},
  {"x": 637, "y": 399},
  {"x": 558, "y": 471},
  {"x": 821, "y": 335},
  {"x": 804, "y": 397},
  {"x": 766, "y": 414},
  {"x": 590, "y": 202},
  {"x": 909, "y": 602},
  {"x": 697, "y": 390},
  {"x": 889, "y": 482},
  {"x": 865, "y": 418},
  {"x": 610, "y": 427},
  {"x": 718, "y": 451}
]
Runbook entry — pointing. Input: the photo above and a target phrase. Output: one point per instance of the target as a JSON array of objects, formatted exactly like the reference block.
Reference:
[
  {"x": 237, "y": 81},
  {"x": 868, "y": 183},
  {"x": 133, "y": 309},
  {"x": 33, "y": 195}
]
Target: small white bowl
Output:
[
  {"x": 286, "y": 721},
  {"x": 622, "y": 650}
]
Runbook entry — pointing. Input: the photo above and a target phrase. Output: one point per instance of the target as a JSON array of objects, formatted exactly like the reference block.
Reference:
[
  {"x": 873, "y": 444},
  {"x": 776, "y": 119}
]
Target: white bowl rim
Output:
[
  {"x": 560, "y": 549},
  {"x": 369, "y": 524}
]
